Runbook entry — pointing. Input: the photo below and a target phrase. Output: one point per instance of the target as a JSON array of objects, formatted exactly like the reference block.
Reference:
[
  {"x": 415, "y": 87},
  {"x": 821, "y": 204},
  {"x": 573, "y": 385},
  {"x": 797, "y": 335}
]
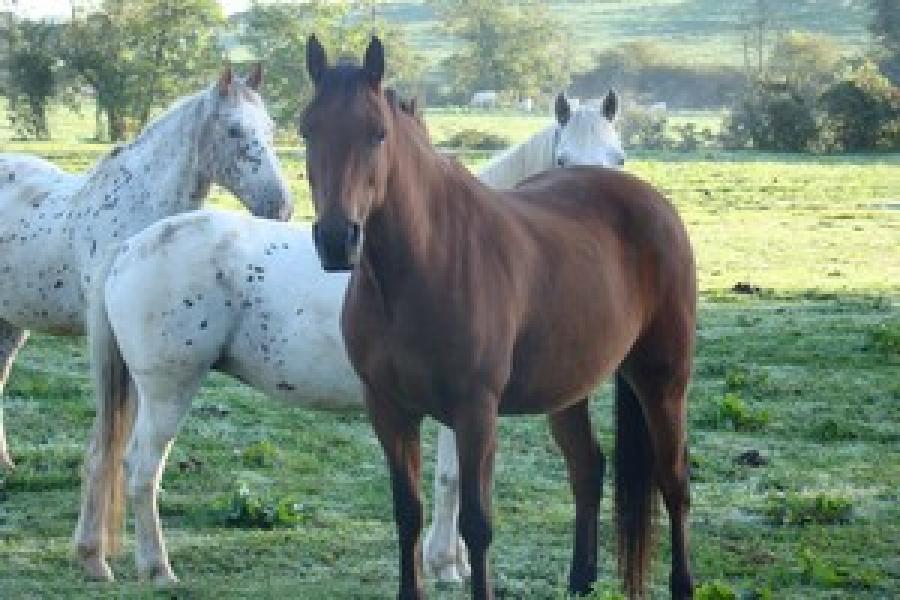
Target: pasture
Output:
[{"x": 794, "y": 419}]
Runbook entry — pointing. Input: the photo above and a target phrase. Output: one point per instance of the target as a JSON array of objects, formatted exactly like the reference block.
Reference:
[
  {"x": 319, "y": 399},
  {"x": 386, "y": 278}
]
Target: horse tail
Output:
[
  {"x": 115, "y": 410},
  {"x": 636, "y": 491}
]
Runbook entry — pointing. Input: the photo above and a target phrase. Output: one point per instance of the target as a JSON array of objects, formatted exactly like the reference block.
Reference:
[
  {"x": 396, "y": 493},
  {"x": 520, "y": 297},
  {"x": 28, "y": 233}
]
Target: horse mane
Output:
[{"x": 508, "y": 168}]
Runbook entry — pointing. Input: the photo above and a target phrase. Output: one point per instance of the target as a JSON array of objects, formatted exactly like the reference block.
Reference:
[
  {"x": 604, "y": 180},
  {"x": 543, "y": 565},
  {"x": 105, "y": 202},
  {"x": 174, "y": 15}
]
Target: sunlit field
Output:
[{"x": 794, "y": 417}]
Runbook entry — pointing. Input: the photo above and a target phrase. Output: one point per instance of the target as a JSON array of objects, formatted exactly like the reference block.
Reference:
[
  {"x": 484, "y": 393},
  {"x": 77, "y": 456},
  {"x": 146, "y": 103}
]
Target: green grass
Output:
[{"x": 266, "y": 500}]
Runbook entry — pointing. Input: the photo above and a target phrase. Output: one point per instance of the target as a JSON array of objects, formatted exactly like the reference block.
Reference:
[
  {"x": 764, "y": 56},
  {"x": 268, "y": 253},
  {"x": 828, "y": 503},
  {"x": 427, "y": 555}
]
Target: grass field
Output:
[
  {"x": 794, "y": 420},
  {"x": 693, "y": 31}
]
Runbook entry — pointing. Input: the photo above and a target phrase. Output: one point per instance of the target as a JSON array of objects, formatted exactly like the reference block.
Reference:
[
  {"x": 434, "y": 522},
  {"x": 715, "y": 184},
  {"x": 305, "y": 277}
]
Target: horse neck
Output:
[
  {"x": 521, "y": 161},
  {"x": 421, "y": 229},
  {"x": 160, "y": 173}
]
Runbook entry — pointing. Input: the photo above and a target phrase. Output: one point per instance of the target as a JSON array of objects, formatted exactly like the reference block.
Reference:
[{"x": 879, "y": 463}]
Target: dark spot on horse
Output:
[
  {"x": 12, "y": 176},
  {"x": 249, "y": 278},
  {"x": 189, "y": 342},
  {"x": 285, "y": 386},
  {"x": 299, "y": 311},
  {"x": 259, "y": 270},
  {"x": 246, "y": 304},
  {"x": 58, "y": 284},
  {"x": 188, "y": 302},
  {"x": 260, "y": 278},
  {"x": 220, "y": 275},
  {"x": 93, "y": 247},
  {"x": 203, "y": 324}
]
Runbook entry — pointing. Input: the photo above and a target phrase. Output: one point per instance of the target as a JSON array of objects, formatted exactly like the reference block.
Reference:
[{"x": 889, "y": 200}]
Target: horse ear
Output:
[
  {"x": 225, "y": 81},
  {"x": 563, "y": 110},
  {"x": 255, "y": 78},
  {"x": 373, "y": 64},
  {"x": 610, "y": 105},
  {"x": 316, "y": 61}
]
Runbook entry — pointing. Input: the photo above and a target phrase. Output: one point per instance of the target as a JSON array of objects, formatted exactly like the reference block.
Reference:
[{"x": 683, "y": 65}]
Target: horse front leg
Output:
[
  {"x": 11, "y": 340},
  {"x": 398, "y": 433},
  {"x": 445, "y": 555},
  {"x": 476, "y": 438}
]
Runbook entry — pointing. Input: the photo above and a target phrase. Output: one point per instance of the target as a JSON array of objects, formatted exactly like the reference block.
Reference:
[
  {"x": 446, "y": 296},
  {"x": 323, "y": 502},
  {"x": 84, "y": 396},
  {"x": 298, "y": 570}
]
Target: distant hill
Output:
[{"x": 696, "y": 31}]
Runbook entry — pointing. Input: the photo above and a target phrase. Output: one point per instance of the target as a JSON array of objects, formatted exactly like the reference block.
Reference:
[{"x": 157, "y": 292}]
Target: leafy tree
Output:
[
  {"x": 806, "y": 61},
  {"x": 277, "y": 34},
  {"x": 885, "y": 26},
  {"x": 32, "y": 60},
  {"x": 140, "y": 55},
  {"x": 514, "y": 47},
  {"x": 863, "y": 111}
]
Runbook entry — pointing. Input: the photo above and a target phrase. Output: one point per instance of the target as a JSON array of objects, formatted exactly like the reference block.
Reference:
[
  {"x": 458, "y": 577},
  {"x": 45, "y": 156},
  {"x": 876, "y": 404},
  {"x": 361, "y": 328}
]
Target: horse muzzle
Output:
[{"x": 338, "y": 243}]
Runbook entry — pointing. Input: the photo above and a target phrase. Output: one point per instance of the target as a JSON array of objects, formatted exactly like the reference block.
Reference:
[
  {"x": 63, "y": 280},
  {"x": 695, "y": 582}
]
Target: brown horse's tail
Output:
[
  {"x": 115, "y": 415},
  {"x": 636, "y": 491}
]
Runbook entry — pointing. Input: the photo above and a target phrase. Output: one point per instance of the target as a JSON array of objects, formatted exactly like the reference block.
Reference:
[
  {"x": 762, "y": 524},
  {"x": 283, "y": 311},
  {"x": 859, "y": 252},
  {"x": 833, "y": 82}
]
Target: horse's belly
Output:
[{"x": 299, "y": 359}]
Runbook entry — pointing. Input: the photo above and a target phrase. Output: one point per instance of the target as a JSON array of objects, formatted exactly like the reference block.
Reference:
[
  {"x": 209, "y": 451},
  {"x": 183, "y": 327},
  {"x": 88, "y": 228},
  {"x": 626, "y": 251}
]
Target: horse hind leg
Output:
[
  {"x": 11, "y": 340},
  {"x": 664, "y": 408},
  {"x": 162, "y": 406},
  {"x": 444, "y": 553},
  {"x": 571, "y": 428}
]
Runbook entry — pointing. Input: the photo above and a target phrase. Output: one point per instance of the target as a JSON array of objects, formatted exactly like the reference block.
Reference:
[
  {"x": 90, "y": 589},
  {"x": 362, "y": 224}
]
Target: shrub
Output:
[
  {"x": 642, "y": 128},
  {"x": 773, "y": 116},
  {"x": 472, "y": 139},
  {"x": 884, "y": 338},
  {"x": 863, "y": 111}
]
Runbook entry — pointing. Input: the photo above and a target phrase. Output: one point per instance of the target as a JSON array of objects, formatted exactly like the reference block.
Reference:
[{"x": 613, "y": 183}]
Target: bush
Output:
[
  {"x": 731, "y": 412},
  {"x": 472, "y": 139},
  {"x": 863, "y": 111},
  {"x": 773, "y": 116},
  {"x": 642, "y": 128}
]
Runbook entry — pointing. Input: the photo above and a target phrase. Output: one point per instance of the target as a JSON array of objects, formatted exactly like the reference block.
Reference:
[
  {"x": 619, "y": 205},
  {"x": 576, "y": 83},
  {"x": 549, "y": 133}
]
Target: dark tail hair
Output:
[{"x": 636, "y": 491}]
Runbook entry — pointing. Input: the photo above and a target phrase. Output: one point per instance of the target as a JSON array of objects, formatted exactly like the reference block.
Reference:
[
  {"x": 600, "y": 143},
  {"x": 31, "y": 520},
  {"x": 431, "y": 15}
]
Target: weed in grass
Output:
[
  {"x": 814, "y": 570},
  {"x": 252, "y": 511},
  {"x": 834, "y": 430},
  {"x": 884, "y": 338},
  {"x": 808, "y": 509},
  {"x": 731, "y": 412},
  {"x": 260, "y": 454},
  {"x": 715, "y": 590}
]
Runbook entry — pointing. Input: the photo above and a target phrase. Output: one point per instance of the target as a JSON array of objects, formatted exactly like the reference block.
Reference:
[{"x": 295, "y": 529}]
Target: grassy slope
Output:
[
  {"x": 697, "y": 31},
  {"x": 817, "y": 235}
]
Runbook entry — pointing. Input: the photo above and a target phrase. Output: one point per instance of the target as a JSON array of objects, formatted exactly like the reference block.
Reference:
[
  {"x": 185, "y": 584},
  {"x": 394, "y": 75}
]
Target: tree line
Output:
[
  {"x": 135, "y": 56},
  {"x": 131, "y": 57}
]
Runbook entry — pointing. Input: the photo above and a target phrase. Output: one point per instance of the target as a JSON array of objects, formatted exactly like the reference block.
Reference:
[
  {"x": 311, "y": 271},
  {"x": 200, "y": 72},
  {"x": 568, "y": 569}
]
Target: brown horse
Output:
[{"x": 466, "y": 303}]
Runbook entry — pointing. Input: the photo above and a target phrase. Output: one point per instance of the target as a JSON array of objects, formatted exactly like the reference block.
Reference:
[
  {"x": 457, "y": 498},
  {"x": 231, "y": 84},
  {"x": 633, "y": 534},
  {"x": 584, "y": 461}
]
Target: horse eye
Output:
[
  {"x": 378, "y": 138},
  {"x": 235, "y": 132}
]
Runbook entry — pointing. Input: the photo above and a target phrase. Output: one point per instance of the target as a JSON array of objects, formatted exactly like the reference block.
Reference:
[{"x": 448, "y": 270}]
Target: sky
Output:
[{"x": 36, "y": 9}]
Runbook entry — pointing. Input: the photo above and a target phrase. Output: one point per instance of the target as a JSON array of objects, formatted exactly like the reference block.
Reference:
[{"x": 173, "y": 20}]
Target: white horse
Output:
[
  {"x": 247, "y": 297},
  {"x": 55, "y": 226}
]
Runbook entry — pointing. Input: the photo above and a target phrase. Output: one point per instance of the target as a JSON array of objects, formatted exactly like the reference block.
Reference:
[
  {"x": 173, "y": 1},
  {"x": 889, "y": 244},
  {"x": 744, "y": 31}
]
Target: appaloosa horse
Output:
[
  {"x": 465, "y": 303},
  {"x": 56, "y": 226}
]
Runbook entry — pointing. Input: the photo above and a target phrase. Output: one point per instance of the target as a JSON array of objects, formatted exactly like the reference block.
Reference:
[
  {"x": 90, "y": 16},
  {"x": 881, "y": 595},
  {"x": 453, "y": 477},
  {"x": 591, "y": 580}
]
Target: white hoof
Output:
[{"x": 448, "y": 563}]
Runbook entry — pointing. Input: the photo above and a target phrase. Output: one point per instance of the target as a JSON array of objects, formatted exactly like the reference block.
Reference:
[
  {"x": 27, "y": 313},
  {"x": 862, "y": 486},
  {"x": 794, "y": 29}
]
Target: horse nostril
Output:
[{"x": 353, "y": 231}]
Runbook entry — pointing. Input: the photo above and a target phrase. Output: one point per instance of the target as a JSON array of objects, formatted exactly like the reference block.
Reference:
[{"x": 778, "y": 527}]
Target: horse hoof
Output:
[
  {"x": 448, "y": 567},
  {"x": 165, "y": 580},
  {"x": 96, "y": 569}
]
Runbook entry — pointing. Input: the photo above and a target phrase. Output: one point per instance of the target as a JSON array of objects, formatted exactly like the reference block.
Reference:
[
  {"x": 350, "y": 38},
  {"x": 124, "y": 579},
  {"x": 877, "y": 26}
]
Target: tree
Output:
[
  {"x": 806, "y": 61},
  {"x": 505, "y": 47},
  {"x": 885, "y": 27},
  {"x": 138, "y": 56},
  {"x": 31, "y": 61},
  {"x": 863, "y": 111},
  {"x": 277, "y": 34}
]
